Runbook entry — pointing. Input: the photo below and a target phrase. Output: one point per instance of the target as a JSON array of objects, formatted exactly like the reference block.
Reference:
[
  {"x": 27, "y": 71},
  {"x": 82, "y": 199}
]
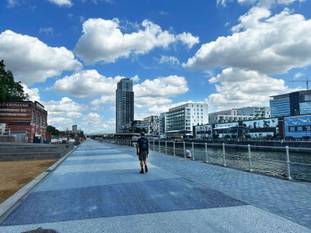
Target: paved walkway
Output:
[{"x": 98, "y": 189}]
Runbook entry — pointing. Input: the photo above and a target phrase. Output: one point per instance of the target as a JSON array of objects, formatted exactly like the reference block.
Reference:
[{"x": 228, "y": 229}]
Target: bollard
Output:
[
  {"x": 174, "y": 152},
  {"x": 224, "y": 154},
  {"x": 165, "y": 147},
  {"x": 193, "y": 151},
  {"x": 184, "y": 146},
  {"x": 206, "y": 155},
  {"x": 249, "y": 158},
  {"x": 153, "y": 148},
  {"x": 288, "y": 163}
]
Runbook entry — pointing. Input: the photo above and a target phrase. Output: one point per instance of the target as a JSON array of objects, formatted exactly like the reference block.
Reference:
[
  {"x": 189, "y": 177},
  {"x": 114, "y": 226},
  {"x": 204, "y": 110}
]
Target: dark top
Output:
[{"x": 142, "y": 145}]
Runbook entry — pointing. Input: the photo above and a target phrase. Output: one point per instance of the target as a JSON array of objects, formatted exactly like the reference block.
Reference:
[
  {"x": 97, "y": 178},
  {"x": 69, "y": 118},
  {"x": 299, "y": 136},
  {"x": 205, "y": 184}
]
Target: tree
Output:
[
  {"x": 9, "y": 89},
  {"x": 52, "y": 130}
]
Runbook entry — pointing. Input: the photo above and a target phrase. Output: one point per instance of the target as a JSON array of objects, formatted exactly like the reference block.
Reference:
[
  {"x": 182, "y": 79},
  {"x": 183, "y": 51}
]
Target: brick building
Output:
[{"x": 26, "y": 120}]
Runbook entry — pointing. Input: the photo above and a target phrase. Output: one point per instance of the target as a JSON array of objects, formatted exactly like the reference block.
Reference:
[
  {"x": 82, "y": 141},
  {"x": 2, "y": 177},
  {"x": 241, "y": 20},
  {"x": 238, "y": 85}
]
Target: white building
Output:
[
  {"x": 152, "y": 125},
  {"x": 239, "y": 114},
  {"x": 180, "y": 120}
]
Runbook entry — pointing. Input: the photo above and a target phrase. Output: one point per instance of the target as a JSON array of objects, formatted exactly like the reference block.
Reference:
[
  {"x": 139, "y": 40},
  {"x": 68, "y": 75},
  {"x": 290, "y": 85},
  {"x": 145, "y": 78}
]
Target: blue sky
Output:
[{"x": 231, "y": 53}]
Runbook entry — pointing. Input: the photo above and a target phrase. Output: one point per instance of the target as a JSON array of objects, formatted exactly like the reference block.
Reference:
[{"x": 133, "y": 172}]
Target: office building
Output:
[
  {"x": 180, "y": 120},
  {"x": 26, "y": 120},
  {"x": 239, "y": 114},
  {"x": 152, "y": 125},
  {"x": 162, "y": 118},
  {"x": 291, "y": 104},
  {"x": 74, "y": 129},
  {"x": 124, "y": 105},
  {"x": 255, "y": 112}
]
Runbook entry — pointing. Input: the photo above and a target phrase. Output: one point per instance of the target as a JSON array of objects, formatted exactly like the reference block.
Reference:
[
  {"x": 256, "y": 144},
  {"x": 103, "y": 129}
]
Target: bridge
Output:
[{"x": 98, "y": 188}]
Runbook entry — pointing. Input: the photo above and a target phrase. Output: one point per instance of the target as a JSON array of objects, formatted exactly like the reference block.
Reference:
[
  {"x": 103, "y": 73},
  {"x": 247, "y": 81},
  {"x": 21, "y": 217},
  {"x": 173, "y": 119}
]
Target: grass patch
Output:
[{"x": 15, "y": 174}]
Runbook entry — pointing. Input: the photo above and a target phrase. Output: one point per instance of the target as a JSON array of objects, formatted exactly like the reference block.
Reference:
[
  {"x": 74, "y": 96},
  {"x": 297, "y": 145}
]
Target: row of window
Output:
[{"x": 301, "y": 128}]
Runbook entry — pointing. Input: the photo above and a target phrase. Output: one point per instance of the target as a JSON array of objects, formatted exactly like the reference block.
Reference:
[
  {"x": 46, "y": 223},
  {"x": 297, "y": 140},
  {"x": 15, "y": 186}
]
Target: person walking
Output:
[{"x": 142, "y": 148}]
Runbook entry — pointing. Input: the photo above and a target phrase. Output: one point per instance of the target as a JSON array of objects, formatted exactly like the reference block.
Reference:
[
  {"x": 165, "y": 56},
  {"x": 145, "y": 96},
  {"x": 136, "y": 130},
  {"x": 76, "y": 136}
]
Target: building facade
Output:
[
  {"x": 26, "y": 120},
  {"x": 291, "y": 104},
  {"x": 124, "y": 105},
  {"x": 213, "y": 118},
  {"x": 180, "y": 120},
  {"x": 162, "y": 119},
  {"x": 152, "y": 125},
  {"x": 298, "y": 127},
  {"x": 255, "y": 112},
  {"x": 239, "y": 114}
]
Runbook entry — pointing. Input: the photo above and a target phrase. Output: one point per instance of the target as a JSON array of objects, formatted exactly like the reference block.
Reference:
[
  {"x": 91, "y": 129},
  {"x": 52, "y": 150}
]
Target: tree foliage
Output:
[
  {"x": 52, "y": 130},
  {"x": 9, "y": 89}
]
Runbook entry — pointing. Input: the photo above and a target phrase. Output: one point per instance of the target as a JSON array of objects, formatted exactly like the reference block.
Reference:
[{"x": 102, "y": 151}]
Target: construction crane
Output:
[{"x": 307, "y": 81}]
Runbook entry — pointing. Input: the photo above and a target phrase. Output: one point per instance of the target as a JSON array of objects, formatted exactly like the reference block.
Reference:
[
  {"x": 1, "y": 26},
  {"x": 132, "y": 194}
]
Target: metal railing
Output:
[{"x": 286, "y": 162}]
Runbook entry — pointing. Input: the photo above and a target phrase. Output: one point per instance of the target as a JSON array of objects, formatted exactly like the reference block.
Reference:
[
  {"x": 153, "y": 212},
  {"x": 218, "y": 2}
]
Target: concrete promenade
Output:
[{"x": 98, "y": 189}]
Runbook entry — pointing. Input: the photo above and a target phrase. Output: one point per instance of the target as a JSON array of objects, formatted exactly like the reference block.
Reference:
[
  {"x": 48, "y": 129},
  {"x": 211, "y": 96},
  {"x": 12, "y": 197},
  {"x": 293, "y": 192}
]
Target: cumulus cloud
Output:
[
  {"x": 95, "y": 123},
  {"x": 241, "y": 88},
  {"x": 260, "y": 46},
  {"x": 64, "y": 113},
  {"x": 67, "y": 3},
  {"x": 163, "y": 86},
  {"x": 271, "y": 45},
  {"x": 103, "y": 40},
  {"x": 33, "y": 93},
  {"x": 169, "y": 60},
  {"x": 31, "y": 60},
  {"x": 155, "y": 95},
  {"x": 87, "y": 83},
  {"x": 261, "y": 3}
]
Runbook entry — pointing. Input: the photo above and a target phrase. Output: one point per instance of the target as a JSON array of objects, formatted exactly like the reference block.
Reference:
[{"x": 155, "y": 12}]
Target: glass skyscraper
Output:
[
  {"x": 124, "y": 105},
  {"x": 291, "y": 104}
]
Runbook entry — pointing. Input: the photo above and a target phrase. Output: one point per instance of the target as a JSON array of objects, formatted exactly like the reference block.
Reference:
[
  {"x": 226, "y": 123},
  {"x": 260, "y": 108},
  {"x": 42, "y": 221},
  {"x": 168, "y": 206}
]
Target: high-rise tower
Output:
[{"x": 124, "y": 105}]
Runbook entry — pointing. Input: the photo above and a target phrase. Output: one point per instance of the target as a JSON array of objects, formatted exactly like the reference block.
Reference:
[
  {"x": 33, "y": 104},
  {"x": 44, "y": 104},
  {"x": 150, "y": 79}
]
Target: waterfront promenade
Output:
[{"x": 98, "y": 189}]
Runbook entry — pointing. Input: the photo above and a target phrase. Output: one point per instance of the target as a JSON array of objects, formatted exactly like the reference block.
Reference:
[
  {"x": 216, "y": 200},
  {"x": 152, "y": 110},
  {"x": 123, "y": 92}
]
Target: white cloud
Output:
[
  {"x": 33, "y": 93},
  {"x": 240, "y": 88},
  {"x": 86, "y": 83},
  {"x": 188, "y": 39},
  {"x": 271, "y": 45},
  {"x": 33, "y": 61},
  {"x": 299, "y": 75},
  {"x": 103, "y": 40},
  {"x": 64, "y": 113},
  {"x": 169, "y": 60},
  {"x": 67, "y": 3},
  {"x": 48, "y": 31},
  {"x": 105, "y": 99},
  {"x": 163, "y": 86},
  {"x": 262, "y": 3},
  {"x": 65, "y": 107},
  {"x": 95, "y": 123},
  {"x": 155, "y": 96}
]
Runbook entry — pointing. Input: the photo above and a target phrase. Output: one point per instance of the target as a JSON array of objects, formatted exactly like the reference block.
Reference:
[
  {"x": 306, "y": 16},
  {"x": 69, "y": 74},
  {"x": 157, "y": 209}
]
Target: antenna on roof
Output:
[{"x": 307, "y": 81}]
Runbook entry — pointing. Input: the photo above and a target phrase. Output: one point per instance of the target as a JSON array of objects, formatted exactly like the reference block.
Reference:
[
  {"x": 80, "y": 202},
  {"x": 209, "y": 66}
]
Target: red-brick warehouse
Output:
[{"x": 25, "y": 119}]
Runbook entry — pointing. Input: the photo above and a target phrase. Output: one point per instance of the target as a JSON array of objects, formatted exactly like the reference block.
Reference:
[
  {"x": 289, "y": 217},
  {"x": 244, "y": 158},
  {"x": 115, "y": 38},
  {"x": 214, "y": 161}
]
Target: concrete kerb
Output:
[{"x": 13, "y": 201}]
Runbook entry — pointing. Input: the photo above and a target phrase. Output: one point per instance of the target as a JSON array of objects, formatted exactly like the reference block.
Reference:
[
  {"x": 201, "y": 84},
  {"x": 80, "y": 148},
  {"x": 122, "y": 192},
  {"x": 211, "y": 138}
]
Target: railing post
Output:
[
  {"x": 165, "y": 147},
  {"x": 184, "y": 148},
  {"x": 206, "y": 155},
  {"x": 249, "y": 158},
  {"x": 224, "y": 154},
  {"x": 174, "y": 149},
  {"x": 193, "y": 151},
  {"x": 159, "y": 146},
  {"x": 288, "y": 163}
]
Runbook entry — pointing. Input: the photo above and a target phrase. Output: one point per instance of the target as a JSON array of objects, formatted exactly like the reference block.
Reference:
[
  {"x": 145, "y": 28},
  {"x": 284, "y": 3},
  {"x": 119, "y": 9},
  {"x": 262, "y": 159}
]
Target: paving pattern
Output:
[{"x": 99, "y": 189}]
